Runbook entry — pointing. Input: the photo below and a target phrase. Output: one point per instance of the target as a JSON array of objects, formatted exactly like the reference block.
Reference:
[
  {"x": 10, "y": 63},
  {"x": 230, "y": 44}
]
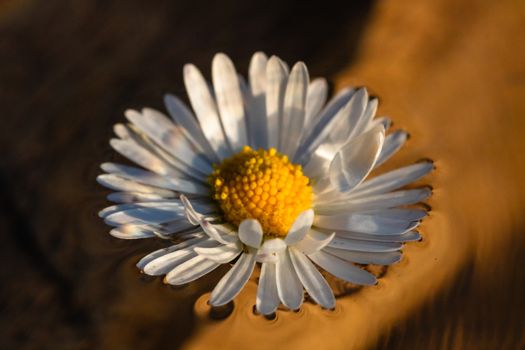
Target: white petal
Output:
[
  {"x": 407, "y": 236},
  {"x": 347, "y": 125},
  {"x": 324, "y": 125},
  {"x": 355, "y": 160},
  {"x": 289, "y": 286},
  {"x": 363, "y": 246},
  {"x": 285, "y": 66},
  {"x": 270, "y": 250},
  {"x": 152, "y": 212},
  {"x": 300, "y": 227},
  {"x": 205, "y": 110},
  {"x": 276, "y": 78},
  {"x": 314, "y": 241},
  {"x": 221, "y": 254},
  {"x": 141, "y": 150},
  {"x": 164, "y": 263},
  {"x": 374, "y": 202},
  {"x": 203, "y": 205},
  {"x": 136, "y": 174},
  {"x": 141, "y": 215},
  {"x": 368, "y": 115},
  {"x": 312, "y": 280},
  {"x": 231, "y": 284},
  {"x": 217, "y": 232},
  {"x": 220, "y": 233},
  {"x": 393, "y": 179},
  {"x": 191, "y": 214},
  {"x": 120, "y": 184},
  {"x": 343, "y": 126},
  {"x": 386, "y": 258},
  {"x": 398, "y": 213},
  {"x": 166, "y": 204},
  {"x": 141, "y": 156},
  {"x": 392, "y": 144},
  {"x": 257, "y": 125},
  {"x": 267, "y": 296},
  {"x": 385, "y": 121},
  {"x": 342, "y": 269},
  {"x": 149, "y": 178},
  {"x": 190, "y": 271},
  {"x": 370, "y": 224},
  {"x": 161, "y": 252},
  {"x": 114, "y": 208},
  {"x": 318, "y": 164},
  {"x": 315, "y": 100},
  {"x": 257, "y": 73},
  {"x": 251, "y": 233},
  {"x": 174, "y": 227},
  {"x": 160, "y": 129},
  {"x": 178, "y": 168},
  {"x": 190, "y": 127},
  {"x": 131, "y": 232},
  {"x": 121, "y": 131},
  {"x": 131, "y": 197},
  {"x": 293, "y": 111},
  {"x": 229, "y": 101}
]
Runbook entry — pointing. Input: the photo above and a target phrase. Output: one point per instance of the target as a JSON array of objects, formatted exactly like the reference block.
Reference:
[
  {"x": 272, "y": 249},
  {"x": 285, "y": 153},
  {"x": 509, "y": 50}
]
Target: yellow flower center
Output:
[{"x": 262, "y": 185}]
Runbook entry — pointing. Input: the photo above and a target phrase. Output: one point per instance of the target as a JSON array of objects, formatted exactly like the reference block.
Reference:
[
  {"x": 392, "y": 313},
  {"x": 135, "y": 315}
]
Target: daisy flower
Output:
[{"x": 264, "y": 173}]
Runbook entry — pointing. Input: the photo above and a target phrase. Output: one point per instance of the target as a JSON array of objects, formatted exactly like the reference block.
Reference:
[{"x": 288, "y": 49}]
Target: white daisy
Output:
[{"x": 267, "y": 173}]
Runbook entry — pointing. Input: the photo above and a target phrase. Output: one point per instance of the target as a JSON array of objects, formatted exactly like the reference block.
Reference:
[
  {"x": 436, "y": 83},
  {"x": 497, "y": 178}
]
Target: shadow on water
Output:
[
  {"x": 456, "y": 319},
  {"x": 69, "y": 70}
]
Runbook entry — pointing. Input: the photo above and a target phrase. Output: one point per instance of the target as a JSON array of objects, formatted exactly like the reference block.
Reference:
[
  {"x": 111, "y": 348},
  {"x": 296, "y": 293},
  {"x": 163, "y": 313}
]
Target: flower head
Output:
[{"x": 263, "y": 173}]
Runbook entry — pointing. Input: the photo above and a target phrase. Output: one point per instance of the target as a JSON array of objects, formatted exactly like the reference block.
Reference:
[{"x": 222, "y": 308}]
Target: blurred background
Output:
[{"x": 450, "y": 72}]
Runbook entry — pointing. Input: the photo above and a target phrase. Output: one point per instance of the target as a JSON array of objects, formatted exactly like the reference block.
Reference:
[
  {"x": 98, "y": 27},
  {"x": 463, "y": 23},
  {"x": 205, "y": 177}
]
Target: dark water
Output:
[{"x": 448, "y": 72}]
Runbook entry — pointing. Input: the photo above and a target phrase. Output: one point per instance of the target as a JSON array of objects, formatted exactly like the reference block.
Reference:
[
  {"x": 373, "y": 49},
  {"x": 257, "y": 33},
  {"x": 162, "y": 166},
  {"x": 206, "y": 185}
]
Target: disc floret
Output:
[{"x": 263, "y": 185}]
